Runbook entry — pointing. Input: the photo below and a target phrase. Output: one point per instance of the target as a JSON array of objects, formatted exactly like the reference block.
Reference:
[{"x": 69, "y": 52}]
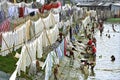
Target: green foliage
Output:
[
  {"x": 7, "y": 63},
  {"x": 114, "y": 20}
]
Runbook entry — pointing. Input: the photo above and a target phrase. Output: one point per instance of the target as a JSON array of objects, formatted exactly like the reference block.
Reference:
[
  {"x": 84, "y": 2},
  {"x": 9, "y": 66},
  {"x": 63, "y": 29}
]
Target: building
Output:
[
  {"x": 116, "y": 9},
  {"x": 103, "y": 9}
]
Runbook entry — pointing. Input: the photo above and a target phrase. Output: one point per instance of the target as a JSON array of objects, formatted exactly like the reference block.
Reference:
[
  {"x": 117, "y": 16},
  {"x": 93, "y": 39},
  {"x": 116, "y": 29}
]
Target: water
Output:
[
  {"x": 105, "y": 69},
  {"x": 4, "y": 76}
]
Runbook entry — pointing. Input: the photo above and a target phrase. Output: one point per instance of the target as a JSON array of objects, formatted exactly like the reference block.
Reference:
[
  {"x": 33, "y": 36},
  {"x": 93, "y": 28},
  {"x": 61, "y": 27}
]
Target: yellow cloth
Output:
[
  {"x": 14, "y": 1},
  {"x": 28, "y": 29}
]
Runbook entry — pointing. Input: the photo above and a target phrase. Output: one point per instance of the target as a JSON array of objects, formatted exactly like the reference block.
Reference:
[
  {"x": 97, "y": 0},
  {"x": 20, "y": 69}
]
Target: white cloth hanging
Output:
[
  {"x": 55, "y": 57},
  {"x": 32, "y": 46},
  {"x": 44, "y": 39},
  {"x": 39, "y": 47},
  {"x": 21, "y": 33},
  {"x": 13, "y": 76},
  {"x": 48, "y": 64},
  {"x": 39, "y": 26},
  {"x": 7, "y": 42},
  {"x": 50, "y": 21},
  {"x": 21, "y": 64}
]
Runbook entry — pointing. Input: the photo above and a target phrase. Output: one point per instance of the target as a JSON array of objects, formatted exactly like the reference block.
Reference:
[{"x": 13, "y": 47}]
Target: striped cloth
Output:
[{"x": 4, "y": 27}]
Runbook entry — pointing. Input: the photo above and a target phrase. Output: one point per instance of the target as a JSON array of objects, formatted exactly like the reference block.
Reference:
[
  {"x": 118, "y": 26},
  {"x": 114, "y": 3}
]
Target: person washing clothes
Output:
[
  {"x": 94, "y": 40},
  {"x": 56, "y": 72},
  {"x": 101, "y": 27},
  {"x": 113, "y": 28},
  {"x": 93, "y": 50},
  {"x": 90, "y": 42},
  {"x": 71, "y": 57}
]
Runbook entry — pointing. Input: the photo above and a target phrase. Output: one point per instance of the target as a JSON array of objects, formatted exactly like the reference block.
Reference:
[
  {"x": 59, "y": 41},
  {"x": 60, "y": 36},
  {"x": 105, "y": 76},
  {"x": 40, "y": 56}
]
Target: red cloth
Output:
[
  {"x": 50, "y": 6},
  {"x": 65, "y": 46},
  {"x": 4, "y": 27},
  {"x": 89, "y": 42},
  {"x": 21, "y": 11},
  {"x": 93, "y": 49},
  {"x": 55, "y": 5}
]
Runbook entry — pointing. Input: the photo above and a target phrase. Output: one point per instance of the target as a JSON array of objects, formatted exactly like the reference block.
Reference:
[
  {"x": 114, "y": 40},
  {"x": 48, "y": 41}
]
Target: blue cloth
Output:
[
  {"x": 59, "y": 52},
  {"x": 2, "y": 16},
  {"x": 62, "y": 46}
]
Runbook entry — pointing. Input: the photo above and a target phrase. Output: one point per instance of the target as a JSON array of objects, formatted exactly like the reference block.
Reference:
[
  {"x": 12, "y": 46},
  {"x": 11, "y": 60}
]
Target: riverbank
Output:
[{"x": 113, "y": 20}]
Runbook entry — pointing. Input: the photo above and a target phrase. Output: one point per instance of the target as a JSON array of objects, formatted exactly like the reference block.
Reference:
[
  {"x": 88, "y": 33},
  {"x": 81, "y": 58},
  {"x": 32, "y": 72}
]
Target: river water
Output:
[{"x": 105, "y": 69}]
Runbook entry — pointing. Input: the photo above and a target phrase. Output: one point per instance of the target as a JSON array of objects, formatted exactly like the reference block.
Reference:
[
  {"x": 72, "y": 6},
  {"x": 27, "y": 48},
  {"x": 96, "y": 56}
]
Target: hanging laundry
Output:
[
  {"x": 56, "y": 34},
  {"x": 44, "y": 39},
  {"x": 48, "y": 64},
  {"x": 62, "y": 46},
  {"x": 56, "y": 17},
  {"x": 21, "y": 64},
  {"x": 13, "y": 76},
  {"x": 32, "y": 48},
  {"x": 65, "y": 46},
  {"x": 29, "y": 5},
  {"x": 4, "y": 27},
  {"x": 14, "y": 1},
  {"x": 2, "y": 16},
  {"x": 4, "y": 7},
  {"x": 50, "y": 6},
  {"x": 20, "y": 36},
  {"x": 7, "y": 42},
  {"x": 16, "y": 40},
  {"x": 59, "y": 52},
  {"x": 50, "y": 21},
  {"x": 55, "y": 57},
  {"x": 33, "y": 69},
  {"x": 39, "y": 47},
  {"x": 41, "y": 1},
  {"x": 28, "y": 25},
  {"x": 21, "y": 11},
  {"x": 32, "y": 30},
  {"x": 13, "y": 12},
  {"x": 39, "y": 26}
]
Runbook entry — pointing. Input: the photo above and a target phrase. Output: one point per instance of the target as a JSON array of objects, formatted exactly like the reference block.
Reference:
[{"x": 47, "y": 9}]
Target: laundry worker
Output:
[
  {"x": 89, "y": 42},
  {"x": 101, "y": 27},
  {"x": 94, "y": 52},
  {"x": 113, "y": 28},
  {"x": 112, "y": 58},
  {"x": 56, "y": 73},
  {"x": 93, "y": 56},
  {"x": 94, "y": 40},
  {"x": 72, "y": 57}
]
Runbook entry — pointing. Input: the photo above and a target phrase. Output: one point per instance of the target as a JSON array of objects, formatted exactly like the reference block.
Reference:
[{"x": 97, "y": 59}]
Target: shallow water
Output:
[
  {"x": 4, "y": 76},
  {"x": 105, "y": 69}
]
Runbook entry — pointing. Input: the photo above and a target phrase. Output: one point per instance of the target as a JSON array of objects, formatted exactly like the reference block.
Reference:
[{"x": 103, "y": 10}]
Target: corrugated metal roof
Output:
[{"x": 116, "y": 4}]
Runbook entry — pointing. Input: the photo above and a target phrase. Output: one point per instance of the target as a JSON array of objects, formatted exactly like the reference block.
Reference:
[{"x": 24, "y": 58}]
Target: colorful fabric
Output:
[
  {"x": 2, "y": 16},
  {"x": 50, "y": 6},
  {"x": 93, "y": 49},
  {"x": 21, "y": 11},
  {"x": 4, "y": 27},
  {"x": 65, "y": 47}
]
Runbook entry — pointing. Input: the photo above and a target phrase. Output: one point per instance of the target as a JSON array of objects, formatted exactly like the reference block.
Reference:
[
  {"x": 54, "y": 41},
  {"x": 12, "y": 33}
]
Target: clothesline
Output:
[
  {"x": 44, "y": 24},
  {"x": 20, "y": 43},
  {"x": 35, "y": 34}
]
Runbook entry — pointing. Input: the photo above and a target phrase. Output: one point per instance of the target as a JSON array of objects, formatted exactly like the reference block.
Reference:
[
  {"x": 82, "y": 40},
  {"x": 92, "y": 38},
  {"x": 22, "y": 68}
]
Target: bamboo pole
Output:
[
  {"x": 46, "y": 32},
  {"x": 8, "y": 48}
]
